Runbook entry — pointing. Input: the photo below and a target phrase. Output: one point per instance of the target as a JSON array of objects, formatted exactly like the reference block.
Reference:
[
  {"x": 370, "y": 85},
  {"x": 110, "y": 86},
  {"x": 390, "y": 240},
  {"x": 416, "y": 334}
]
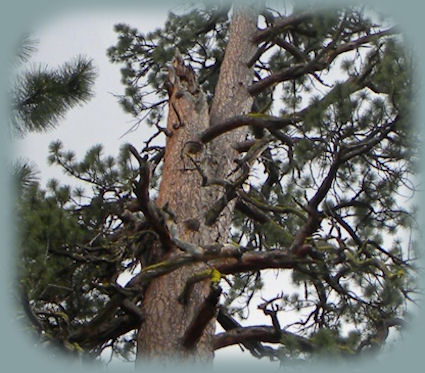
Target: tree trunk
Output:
[{"x": 163, "y": 332}]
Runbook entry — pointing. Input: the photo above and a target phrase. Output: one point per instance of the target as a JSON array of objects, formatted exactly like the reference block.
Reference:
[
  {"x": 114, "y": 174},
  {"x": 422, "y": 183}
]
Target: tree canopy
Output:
[{"x": 318, "y": 194}]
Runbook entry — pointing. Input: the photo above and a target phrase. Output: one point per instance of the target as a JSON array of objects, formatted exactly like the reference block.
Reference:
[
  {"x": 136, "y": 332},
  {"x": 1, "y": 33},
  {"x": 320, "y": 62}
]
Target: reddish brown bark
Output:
[{"x": 166, "y": 319}]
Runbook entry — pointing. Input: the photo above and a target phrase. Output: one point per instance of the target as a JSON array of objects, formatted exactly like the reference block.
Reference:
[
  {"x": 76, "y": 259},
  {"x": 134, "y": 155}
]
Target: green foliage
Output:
[
  {"x": 145, "y": 57},
  {"x": 46, "y": 225},
  {"x": 26, "y": 47},
  {"x": 24, "y": 175},
  {"x": 42, "y": 96}
]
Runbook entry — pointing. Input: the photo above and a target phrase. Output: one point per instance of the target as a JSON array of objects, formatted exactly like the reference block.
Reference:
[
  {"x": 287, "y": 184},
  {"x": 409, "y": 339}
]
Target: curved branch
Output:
[
  {"x": 323, "y": 61},
  {"x": 260, "y": 333},
  {"x": 150, "y": 211},
  {"x": 279, "y": 24},
  {"x": 289, "y": 73},
  {"x": 228, "y": 323},
  {"x": 314, "y": 219},
  {"x": 227, "y": 259},
  {"x": 261, "y": 121}
]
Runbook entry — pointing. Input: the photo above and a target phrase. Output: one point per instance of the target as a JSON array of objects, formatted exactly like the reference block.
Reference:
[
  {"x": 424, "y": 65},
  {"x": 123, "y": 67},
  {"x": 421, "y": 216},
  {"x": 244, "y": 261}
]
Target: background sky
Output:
[{"x": 101, "y": 120}]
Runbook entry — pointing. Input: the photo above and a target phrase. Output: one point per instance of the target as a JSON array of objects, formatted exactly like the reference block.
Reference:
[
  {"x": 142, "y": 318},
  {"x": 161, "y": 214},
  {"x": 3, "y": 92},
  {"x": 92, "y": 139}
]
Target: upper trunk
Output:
[{"x": 167, "y": 320}]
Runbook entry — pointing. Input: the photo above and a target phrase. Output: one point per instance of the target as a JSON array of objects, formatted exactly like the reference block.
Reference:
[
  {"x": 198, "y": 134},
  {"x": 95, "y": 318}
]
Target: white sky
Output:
[{"x": 101, "y": 120}]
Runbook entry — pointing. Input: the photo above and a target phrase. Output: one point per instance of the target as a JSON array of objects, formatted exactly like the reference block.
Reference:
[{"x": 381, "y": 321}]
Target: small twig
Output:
[{"x": 272, "y": 313}]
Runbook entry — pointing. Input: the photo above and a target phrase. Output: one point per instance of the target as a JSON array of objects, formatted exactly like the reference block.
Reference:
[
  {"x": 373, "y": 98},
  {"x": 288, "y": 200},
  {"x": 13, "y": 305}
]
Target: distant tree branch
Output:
[{"x": 321, "y": 62}]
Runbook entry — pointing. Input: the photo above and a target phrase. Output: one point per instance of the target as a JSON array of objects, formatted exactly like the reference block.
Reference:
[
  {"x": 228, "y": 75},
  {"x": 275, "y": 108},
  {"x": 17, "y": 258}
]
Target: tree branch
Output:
[
  {"x": 279, "y": 25},
  {"x": 288, "y": 73},
  {"x": 261, "y": 121},
  {"x": 204, "y": 315},
  {"x": 352, "y": 150},
  {"x": 112, "y": 329},
  {"x": 251, "y": 212},
  {"x": 150, "y": 211},
  {"x": 261, "y": 333},
  {"x": 227, "y": 259},
  {"x": 346, "y": 47},
  {"x": 228, "y": 323},
  {"x": 321, "y": 62},
  {"x": 256, "y": 261}
]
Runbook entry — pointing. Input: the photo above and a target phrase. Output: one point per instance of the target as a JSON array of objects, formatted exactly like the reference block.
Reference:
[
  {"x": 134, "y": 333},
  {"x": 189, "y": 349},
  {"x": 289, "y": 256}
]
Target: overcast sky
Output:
[{"x": 101, "y": 120}]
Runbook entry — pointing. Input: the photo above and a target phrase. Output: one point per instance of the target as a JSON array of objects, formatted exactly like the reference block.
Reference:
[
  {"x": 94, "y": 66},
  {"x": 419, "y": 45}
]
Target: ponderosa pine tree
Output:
[{"x": 286, "y": 145}]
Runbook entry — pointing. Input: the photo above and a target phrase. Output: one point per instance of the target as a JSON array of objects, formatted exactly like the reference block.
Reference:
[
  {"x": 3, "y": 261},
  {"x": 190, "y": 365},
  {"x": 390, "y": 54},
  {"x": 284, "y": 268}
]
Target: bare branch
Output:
[
  {"x": 288, "y": 73},
  {"x": 205, "y": 314},
  {"x": 321, "y": 62},
  {"x": 259, "y": 334},
  {"x": 151, "y": 212},
  {"x": 227, "y": 259},
  {"x": 261, "y": 121},
  {"x": 229, "y": 323}
]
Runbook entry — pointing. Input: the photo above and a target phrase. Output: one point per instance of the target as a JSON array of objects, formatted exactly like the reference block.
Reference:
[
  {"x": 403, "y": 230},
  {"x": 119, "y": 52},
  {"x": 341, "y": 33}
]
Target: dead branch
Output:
[
  {"x": 229, "y": 323},
  {"x": 150, "y": 211},
  {"x": 204, "y": 315},
  {"x": 261, "y": 121},
  {"x": 227, "y": 259},
  {"x": 261, "y": 333}
]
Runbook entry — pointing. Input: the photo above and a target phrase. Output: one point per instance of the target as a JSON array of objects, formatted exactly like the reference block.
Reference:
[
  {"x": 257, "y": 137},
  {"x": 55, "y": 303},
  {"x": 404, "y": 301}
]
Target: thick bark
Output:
[{"x": 166, "y": 319}]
